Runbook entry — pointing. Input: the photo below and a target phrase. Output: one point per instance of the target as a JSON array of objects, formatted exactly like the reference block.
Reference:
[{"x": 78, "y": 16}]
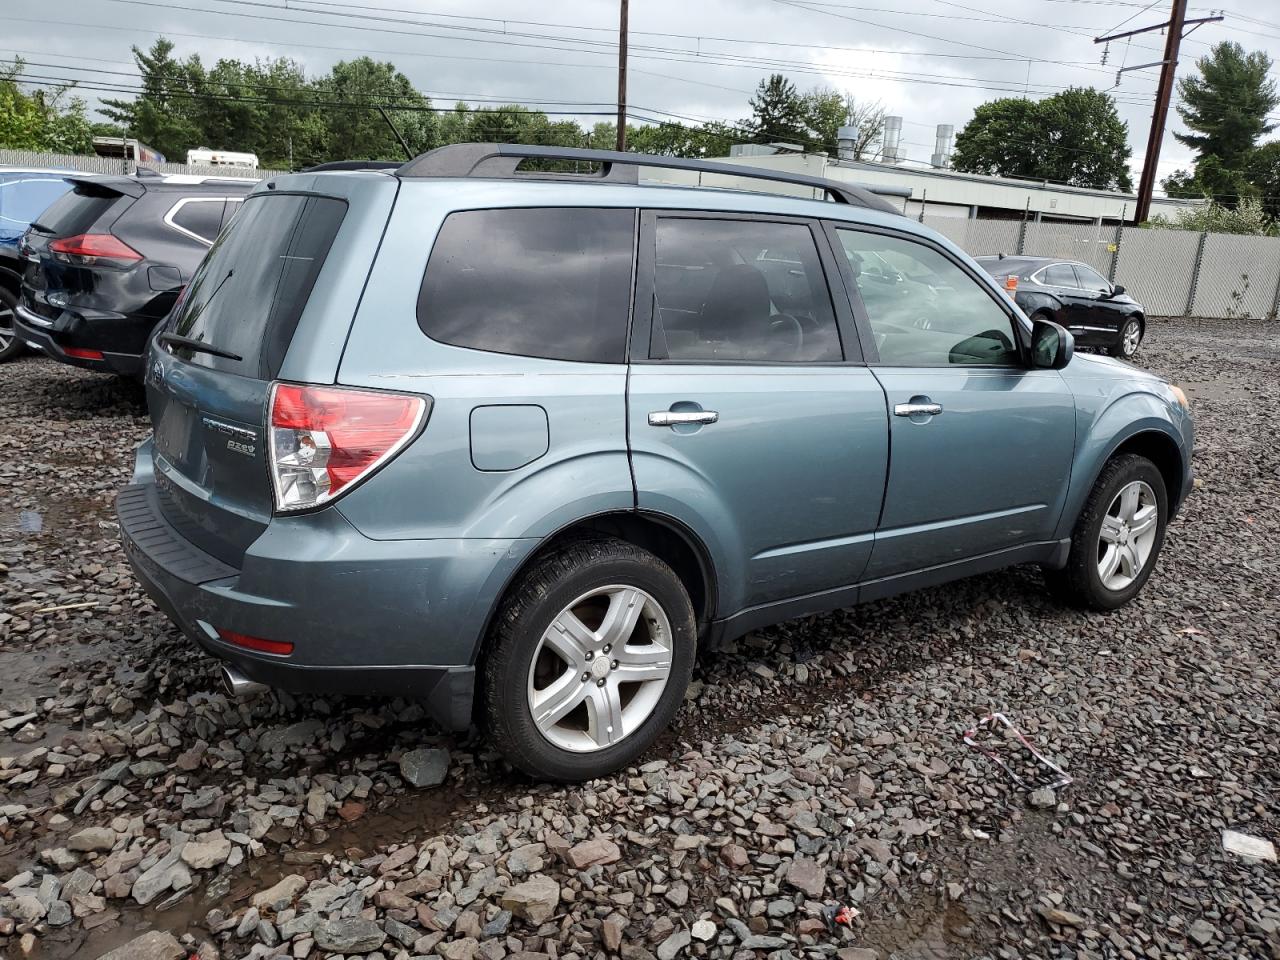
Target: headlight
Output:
[{"x": 1181, "y": 397}]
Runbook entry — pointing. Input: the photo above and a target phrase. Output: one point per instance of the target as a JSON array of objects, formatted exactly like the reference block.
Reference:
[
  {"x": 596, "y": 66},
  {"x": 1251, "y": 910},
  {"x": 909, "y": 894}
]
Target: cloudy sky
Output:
[{"x": 930, "y": 61}]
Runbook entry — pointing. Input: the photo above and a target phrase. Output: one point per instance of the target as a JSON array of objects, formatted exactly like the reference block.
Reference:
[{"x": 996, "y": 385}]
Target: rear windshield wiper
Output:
[
  {"x": 199, "y": 346},
  {"x": 40, "y": 228}
]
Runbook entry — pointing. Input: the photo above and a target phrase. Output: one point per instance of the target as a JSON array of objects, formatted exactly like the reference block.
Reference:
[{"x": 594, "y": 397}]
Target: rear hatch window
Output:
[
  {"x": 209, "y": 411},
  {"x": 79, "y": 211},
  {"x": 247, "y": 295}
]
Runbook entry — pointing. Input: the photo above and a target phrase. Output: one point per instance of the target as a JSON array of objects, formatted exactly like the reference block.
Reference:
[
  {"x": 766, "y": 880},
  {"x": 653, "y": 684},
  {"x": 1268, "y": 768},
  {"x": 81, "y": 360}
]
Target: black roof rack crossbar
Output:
[{"x": 502, "y": 160}]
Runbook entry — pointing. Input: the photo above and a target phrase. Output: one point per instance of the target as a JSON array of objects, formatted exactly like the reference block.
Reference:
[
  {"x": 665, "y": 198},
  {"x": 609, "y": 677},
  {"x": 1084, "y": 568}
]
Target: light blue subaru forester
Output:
[{"x": 514, "y": 441}]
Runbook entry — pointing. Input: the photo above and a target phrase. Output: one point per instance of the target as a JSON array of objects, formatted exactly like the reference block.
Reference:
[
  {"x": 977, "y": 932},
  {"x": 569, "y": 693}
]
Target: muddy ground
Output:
[{"x": 816, "y": 764}]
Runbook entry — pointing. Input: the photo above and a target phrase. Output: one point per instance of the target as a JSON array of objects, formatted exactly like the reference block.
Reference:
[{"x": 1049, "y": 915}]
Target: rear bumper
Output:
[
  {"x": 44, "y": 335},
  {"x": 386, "y": 618}
]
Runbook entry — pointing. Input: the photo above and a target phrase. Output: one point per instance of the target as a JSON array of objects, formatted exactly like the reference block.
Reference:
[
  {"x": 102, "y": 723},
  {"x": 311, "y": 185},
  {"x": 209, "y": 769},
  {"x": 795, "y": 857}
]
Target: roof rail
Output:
[
  {"x": 353, "y": 165},
  {"x": 502, "y": 160}
]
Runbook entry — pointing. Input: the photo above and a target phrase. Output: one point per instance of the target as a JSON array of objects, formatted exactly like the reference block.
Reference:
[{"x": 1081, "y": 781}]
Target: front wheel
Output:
[
  {"x": 588, "y": 661},
  {"x": 1117, "y": 537},
  {"x": 10, "y": 345},
  {"x": 1130, "y": 339}
]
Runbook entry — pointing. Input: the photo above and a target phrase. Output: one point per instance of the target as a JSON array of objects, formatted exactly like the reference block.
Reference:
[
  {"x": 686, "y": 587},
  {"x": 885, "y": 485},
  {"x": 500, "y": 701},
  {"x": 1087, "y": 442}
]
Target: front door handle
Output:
[
  {"x": 917, "y": 409},
  {"x": 675, "y": 418}
]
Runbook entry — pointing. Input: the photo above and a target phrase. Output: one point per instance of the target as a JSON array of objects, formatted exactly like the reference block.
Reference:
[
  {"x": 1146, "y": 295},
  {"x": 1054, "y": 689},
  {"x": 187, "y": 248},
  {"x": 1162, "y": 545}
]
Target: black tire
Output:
[
  {"x": 10, "y": 345},
  {"x": 553, "y": 582},
  {"x": 1121, "y": 348},
  {"x": 1079, "y": 583}
]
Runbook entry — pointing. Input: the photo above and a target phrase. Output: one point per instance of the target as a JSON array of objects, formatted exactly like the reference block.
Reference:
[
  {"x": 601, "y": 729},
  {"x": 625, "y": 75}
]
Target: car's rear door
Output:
[
  {"x": 981, "y": 445},
  {"x": 748, "y": 421}
]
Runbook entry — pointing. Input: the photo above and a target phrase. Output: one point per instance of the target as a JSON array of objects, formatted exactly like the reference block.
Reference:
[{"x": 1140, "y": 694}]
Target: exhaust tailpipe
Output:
[{"x": 238, "y": 685}]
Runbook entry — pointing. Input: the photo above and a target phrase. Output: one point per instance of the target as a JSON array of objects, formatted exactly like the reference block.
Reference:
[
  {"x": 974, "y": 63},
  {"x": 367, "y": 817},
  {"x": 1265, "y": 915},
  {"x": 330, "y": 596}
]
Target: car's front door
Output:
[
  {"x": 981, "y": 444},
  {"x": 1101, "y": 312},
  {"x": 751, "y": 417}
]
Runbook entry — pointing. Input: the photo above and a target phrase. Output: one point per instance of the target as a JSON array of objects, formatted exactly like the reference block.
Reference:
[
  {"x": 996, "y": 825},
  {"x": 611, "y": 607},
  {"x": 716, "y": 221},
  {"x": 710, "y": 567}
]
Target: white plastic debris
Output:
[{"x": 1251, "y": 848}]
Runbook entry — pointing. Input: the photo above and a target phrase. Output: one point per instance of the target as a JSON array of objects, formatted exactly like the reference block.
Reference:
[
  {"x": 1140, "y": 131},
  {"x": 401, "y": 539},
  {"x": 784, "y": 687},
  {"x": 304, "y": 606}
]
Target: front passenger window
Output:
[{"x": 924, "y": 310}]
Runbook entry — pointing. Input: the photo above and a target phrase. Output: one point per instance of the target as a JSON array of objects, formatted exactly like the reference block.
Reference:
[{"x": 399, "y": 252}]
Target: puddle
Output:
[
  {"x": 24, "y": 521},
  {"x": 1214, "y": 390}
]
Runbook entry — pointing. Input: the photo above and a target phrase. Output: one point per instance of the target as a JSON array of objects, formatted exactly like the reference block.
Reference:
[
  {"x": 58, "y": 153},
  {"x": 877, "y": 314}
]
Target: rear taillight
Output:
[
  {"x": 1011, "y": 283},
  {"x": 90, "y": 249},
  {"x": 324, "y": 440}
]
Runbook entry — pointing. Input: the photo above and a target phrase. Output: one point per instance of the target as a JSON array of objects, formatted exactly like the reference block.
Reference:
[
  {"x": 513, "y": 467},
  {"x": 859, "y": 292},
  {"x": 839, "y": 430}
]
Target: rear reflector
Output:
[
  {"x": 92, "y": 248},
  {"x": 1011, "y": 284},
  {"x": 256, "y": 643},
  {"x": 324, "y": 440},
  {"x": 81, "y": 353}
]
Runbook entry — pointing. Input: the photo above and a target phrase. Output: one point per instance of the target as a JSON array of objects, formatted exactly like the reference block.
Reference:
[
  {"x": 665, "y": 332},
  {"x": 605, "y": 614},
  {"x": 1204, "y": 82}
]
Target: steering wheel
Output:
[{"x": 785, "y": 326}]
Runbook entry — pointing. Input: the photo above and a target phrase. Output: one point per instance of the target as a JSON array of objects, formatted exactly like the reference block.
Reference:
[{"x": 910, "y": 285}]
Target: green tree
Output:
[
  {"x": 1226, "y": 106},
  {"x": 356, "y": 130},
  {"x": 1074, "y": 137},
  {"x": 42, "y": 120},
  {"x": 778, "y": 112},
  {"x": 166, "y": 114},
  {"x": 826, "y": 110},
  {"x": 1263, "y": 171}
]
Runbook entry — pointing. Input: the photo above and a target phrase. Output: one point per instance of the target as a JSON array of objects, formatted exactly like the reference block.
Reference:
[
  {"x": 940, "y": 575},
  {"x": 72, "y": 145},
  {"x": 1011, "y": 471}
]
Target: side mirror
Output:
[
  {"x": 1052, "y": 347},
  {"x": 1117, "y": 290}
]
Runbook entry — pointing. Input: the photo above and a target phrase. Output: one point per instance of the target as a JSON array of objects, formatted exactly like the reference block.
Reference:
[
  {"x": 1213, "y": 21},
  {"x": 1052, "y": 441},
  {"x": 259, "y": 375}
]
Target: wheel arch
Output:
[
  {"x": 664, "y": 536},
  {"x": 10, "y": 279},
  {"x": 1162, "y": 450}
]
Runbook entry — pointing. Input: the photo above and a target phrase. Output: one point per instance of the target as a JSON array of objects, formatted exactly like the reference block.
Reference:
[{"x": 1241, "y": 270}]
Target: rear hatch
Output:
[
  {"x": 208, "y": 409},
  {"x": 70, "y": 244}
]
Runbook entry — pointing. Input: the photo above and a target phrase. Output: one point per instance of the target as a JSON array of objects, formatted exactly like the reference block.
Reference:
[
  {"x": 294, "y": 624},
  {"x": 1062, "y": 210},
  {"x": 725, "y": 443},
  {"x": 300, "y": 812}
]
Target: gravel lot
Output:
[{"x": 817, "y": 763}]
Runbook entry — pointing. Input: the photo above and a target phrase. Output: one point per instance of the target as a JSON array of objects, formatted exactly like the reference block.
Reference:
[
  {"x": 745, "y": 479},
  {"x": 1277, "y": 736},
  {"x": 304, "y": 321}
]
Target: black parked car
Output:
[
  {"x": 106, "y": 262},
  {"x": 1076, "y": 296}
]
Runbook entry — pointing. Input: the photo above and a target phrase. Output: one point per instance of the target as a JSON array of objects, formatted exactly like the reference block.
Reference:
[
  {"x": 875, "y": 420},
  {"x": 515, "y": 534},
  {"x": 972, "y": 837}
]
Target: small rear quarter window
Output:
[{"x": 551, "y": 282}]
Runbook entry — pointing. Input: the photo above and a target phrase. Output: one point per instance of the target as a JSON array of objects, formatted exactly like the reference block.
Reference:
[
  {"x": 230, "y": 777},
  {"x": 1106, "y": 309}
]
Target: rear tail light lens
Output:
[
  {"x": 90, "y": 249},
  {"x": 324, "y": 440},
  {"x": 1011, "y": 284},
  {"x": 82, "y": 353}
]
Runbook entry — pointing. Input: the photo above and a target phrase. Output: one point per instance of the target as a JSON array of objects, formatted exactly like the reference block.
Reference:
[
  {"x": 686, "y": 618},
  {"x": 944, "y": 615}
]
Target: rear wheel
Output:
[
  {"x": 1129, "y": 340},
  {"x": 588, "y": 661},
  {"x": 10, "y": 345},
  {"x": 1117, "y": 537}
]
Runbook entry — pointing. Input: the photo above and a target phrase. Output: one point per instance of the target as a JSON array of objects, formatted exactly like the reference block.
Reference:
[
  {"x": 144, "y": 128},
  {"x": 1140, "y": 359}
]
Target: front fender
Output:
[{"x": 1109, "y": 422}]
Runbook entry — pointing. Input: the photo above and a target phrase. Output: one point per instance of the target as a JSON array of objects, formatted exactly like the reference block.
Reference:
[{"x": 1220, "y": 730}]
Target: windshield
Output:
[{"x": 248, "y": 293}]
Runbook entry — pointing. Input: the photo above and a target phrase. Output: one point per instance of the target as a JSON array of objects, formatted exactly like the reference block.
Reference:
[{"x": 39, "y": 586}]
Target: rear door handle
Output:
[
  {"x": 675, "y": 418},
  {"x": 912, "y": 409}
]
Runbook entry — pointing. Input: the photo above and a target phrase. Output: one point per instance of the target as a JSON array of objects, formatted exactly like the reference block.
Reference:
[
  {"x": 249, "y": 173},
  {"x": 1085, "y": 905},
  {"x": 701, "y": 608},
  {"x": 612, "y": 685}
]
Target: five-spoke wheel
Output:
[
  {"x": 600, "y": 668},
  {"x": 1117, "y": 537},
  {"x": 589, "y": 659}
]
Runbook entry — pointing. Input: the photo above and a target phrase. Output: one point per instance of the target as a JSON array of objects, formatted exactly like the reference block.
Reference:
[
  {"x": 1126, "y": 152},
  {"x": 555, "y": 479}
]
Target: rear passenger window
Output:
[
  {"x": 539, "y": 282},
  {"x": 740, "y": 290},
  {"x": 197, "y": 218},
  {"x": 1060, "y": 275}
]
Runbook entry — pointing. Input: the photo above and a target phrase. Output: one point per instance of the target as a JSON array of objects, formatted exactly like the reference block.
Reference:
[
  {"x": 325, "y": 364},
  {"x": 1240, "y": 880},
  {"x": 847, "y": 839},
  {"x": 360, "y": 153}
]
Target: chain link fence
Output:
[{"x": 118, "y": 165}]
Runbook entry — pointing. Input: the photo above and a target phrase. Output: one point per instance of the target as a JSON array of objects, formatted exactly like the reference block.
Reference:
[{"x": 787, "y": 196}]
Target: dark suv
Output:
[{"x": 106, "y": 262}]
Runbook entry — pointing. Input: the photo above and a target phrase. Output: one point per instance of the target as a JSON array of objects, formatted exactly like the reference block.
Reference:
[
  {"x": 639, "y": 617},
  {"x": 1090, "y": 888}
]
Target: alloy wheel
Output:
[
  {"x": 6, "y": 326},
  {"x": 600, "y": 668},
  {"x": 1131, "y": 337},
  {"x": 1128, "y": 535}
]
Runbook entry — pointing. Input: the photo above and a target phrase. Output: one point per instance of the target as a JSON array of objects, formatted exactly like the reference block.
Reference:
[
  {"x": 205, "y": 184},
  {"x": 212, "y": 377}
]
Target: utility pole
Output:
[
  {"x": 622, "y": 77},
  {"x": 1168, "y": 67}
]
